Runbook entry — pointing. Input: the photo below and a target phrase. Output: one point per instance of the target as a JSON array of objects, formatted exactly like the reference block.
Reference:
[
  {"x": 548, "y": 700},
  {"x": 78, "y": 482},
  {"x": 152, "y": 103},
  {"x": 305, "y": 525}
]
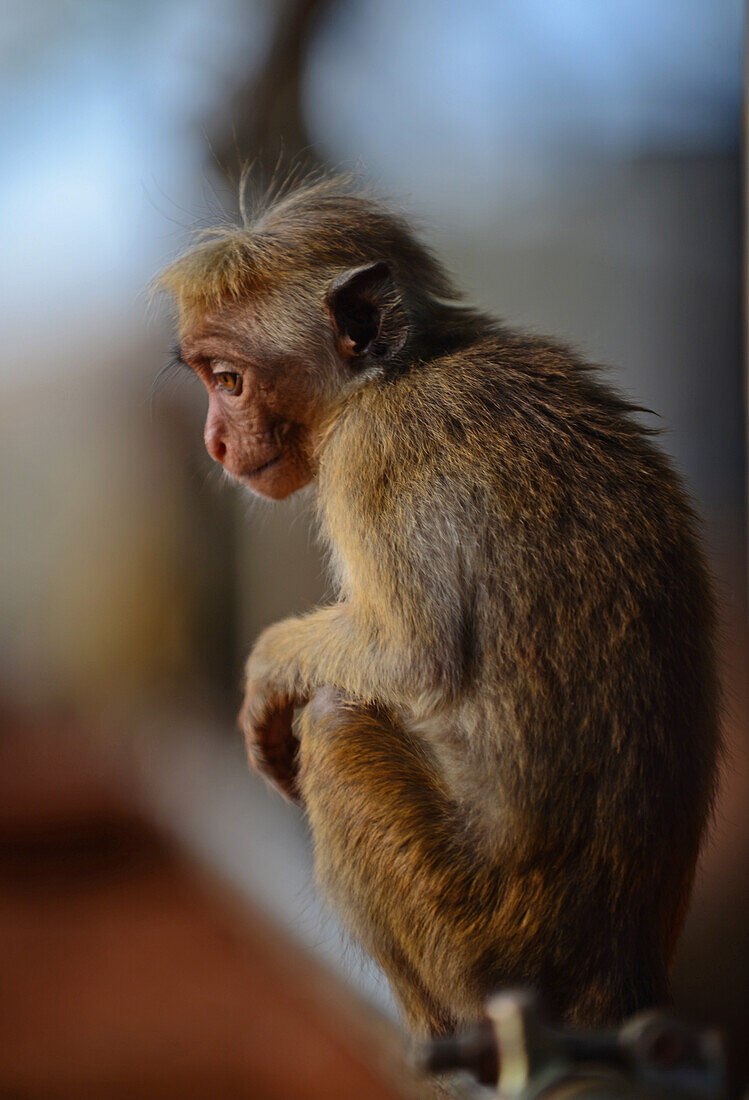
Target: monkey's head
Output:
[{"x": 283, "y": 317}]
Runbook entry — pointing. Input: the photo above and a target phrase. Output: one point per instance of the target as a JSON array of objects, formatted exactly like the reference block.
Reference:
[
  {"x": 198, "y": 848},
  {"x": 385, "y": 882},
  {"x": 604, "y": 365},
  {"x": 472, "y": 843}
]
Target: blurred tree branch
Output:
[{"x": 266, "y": 119}]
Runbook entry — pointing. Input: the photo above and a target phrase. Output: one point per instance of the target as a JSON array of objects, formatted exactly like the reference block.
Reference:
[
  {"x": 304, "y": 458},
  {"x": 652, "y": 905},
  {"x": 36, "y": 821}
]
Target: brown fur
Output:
[{"x": 511, "y": 761}]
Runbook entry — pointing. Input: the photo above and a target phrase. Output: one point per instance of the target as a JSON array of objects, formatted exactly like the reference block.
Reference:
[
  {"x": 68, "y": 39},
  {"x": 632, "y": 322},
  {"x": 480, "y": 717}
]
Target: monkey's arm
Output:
[
  {"x": 401, "y": 632},
  {"x": 331, "y": 646},
  {"x": 337, "y": 646}
]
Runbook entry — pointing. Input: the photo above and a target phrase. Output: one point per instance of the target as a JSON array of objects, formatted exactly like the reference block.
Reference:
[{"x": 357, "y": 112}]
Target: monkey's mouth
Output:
[{"x": 264, "y": 466}]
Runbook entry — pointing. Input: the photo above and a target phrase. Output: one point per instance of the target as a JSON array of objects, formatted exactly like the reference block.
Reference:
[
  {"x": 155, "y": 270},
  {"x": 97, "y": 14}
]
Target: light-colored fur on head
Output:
[{"x": 319, "y": 223}]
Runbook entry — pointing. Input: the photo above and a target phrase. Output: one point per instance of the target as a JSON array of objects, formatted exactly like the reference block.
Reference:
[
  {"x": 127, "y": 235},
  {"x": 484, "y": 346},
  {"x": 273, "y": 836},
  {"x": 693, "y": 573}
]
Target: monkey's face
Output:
[
  {"x": 263, "y": 409},
  {"x": 276, "y": 365}
]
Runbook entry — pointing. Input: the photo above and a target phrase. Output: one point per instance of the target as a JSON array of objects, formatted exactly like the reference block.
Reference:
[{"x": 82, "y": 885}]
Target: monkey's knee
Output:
[
  {"x": 322, "y": 723},
  {"x": 333, "y": 734},
  {"x": 327, "y": 707}
]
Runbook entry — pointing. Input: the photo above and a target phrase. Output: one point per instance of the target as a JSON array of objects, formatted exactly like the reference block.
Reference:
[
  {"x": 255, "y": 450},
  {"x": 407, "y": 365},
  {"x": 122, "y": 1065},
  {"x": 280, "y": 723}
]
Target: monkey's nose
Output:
[{"x": 215, "y": 446}]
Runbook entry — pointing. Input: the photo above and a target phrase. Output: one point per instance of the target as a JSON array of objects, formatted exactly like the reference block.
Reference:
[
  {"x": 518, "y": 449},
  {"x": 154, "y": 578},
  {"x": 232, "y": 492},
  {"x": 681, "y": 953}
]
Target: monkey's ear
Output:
[{"x": 367, "y": 313}]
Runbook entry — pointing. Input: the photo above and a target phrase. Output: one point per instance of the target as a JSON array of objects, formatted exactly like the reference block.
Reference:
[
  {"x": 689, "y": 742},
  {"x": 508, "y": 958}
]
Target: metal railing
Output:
[{"x": 516, "y": 1052}]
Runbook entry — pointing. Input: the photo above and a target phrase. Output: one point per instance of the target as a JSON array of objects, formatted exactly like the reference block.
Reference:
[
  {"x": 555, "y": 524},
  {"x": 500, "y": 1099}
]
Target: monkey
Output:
[{"x": 505, "y": 729}]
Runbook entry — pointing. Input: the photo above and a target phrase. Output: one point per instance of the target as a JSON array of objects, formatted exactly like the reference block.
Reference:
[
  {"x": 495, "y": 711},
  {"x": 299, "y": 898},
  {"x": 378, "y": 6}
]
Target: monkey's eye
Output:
[{"x": 229, "y": 381}]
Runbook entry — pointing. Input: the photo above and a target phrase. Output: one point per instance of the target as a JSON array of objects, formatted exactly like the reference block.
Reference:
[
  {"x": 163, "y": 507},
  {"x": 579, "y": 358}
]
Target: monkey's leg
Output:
[
  {"x": 448, "y": 917},
  {"x": 386, "y": 850}
]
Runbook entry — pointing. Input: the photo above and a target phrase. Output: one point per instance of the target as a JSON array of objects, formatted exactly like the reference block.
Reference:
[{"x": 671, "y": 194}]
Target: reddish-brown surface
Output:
[{"x": 126, "y": 973}]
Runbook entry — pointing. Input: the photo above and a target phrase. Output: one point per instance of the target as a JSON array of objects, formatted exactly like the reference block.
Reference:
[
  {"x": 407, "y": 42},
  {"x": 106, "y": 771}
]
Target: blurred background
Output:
[{"x": 577, "y": 166}]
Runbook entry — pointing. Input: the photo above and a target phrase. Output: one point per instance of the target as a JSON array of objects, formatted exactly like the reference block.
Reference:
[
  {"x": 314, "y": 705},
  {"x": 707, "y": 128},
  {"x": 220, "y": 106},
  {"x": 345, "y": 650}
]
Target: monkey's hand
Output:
[
  {"x": 268, "y": 711},
  {"x": 271, "y": 745}
]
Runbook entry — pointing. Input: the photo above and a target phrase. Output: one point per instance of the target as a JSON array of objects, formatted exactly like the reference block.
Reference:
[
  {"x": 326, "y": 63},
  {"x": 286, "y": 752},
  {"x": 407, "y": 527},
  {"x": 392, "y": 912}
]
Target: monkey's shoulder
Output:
[
  {"x": 514, "y": 437},
  {"x": 505, "y": 400}
]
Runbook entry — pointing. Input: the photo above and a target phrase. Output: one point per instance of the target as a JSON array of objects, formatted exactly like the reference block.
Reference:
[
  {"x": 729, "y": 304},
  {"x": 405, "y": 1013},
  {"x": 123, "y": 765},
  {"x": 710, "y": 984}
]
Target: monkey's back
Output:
[{"x": 545, "y": 552}]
